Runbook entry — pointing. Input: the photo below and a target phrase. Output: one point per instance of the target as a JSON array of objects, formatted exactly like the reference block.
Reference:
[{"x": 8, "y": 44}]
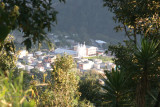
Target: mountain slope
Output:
[{"x": 87, "y": 18}]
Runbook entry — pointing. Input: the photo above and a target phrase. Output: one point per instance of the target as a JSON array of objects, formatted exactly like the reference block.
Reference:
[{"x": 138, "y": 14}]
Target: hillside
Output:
[
  {"x": 83, "y": 20},
  {"x": 87, "y": 18}
]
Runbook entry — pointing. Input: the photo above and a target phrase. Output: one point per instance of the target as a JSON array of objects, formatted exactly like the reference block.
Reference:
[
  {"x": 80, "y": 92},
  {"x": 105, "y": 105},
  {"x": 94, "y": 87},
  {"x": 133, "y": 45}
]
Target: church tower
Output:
[{"x": 81, "y": 50}]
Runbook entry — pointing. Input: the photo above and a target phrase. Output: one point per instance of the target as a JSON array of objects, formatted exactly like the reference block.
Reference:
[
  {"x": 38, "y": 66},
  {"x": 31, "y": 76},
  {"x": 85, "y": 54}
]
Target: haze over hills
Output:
[
  {"x": 84, "y": 20},
  {"x": 87, "y": 18}
]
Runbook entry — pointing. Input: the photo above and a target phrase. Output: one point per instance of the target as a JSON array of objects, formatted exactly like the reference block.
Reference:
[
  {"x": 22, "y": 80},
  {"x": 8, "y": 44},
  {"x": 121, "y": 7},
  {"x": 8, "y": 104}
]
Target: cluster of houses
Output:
[
  {"x": 39, "y": 60},
  {"x": 42, "y": 61},
  {"x": 94, "y": 64}
]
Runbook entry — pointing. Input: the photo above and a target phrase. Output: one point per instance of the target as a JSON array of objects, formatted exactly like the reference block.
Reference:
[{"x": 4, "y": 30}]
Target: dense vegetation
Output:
[{"x": 134, "y": 82}]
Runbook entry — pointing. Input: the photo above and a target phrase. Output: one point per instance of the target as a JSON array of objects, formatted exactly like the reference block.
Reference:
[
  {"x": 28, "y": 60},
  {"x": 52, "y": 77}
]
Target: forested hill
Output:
[{"x": 87, "y": 18}]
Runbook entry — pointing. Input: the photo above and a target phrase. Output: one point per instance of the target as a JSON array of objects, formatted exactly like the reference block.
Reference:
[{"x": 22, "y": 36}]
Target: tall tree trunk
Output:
[
  {"x": 140, "y": 96},
  {"x": 141, "y": 90}
]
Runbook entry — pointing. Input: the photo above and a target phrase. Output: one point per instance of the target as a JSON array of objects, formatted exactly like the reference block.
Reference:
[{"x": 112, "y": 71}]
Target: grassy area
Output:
[{"x": 103, "y": 58}]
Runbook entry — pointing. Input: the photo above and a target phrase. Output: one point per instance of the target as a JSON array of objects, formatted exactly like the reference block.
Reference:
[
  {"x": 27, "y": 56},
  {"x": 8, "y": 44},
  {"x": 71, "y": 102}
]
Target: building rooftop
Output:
[
  {"x": 100, "y": 41},
  {"x": 62, "y": 51}
]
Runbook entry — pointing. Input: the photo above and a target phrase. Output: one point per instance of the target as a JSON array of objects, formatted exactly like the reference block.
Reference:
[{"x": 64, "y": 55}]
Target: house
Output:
[
  {"x": 100, "y": 52},
  {"x": 30, "y": 55},
  {"x": 22, "y": 53},
  {"x": 97, "y": 66},
  {"x": 27, "y": 59},
  {"x": 34, "y": 62},
  {"x": 40, "y": 58},
  {"x": 28, "y": 68},
  {"x": 47, "y": 65},
  {"x": 103, "y": 65},
  {"x": 40, "y": 68},
  {"x": 39, "y": 64},
  {"x": 87, "y": 65},
  {"x": 38, "y": 53},
  {"x": 91, "y": 50},
  {"x": 20, "y": 66}
]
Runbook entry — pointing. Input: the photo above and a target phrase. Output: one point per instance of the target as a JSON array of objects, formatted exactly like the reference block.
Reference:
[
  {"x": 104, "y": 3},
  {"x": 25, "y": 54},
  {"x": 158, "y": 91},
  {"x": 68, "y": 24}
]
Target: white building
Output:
[
  {"x": 34, "y": 62},
  {"x": 20, "y": 66},
  {"x": 97, "y": 66},
  {"x": 47, "y": 65},
  {"x": 30, "y": 55},
  {"x": 41, "y": 69},
  {"x": 83, "y": 50},
  {"x": 91, "y": 50},
  {"x": 28, "y": 68},
  {"x": 38, "y": 53},
  {"x": 40, "y": 58},
  {"x": 87, "y": 65},
  {"x": 22, "y": 53}
]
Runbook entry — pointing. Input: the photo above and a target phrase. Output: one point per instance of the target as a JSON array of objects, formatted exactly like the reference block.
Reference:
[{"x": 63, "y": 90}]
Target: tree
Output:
[
  {"x": 141, "y": 62},
  {"x": 65, "y": 82},
  {"x": 90, "y": 88},
  {"x": 8, "y": 57},
  {"x": 116, "y": 88},
  {"x": 123, "y": 55},
  {"x": 7, "y": 20},
  {"x": 32, "y": 17},
  {"x": 137, "y": 17},
  {"x": 146, "y": 62},
  {"x": 63, "y": 91}
]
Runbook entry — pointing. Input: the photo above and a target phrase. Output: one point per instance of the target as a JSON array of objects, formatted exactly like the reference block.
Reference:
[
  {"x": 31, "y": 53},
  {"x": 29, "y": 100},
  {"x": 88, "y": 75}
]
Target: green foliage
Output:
[
  {"x": 141, "y": 64},
  {"x": 116, "y": 89},
  {"x": 103, "y": 58},
  {"x": 34, "y": 18},
  {"x": 65, "y": 82},
  {"x": 147, "y": 56},
  {"x": 26, "y": 77},
  {"x": 63, "y": 89},
  {"x": 123, "y": 55},
  {"x": 64, "y": 63},
  {"x": 12, "y": 93},
  {"x": 146, "y": 60},
  {"x": 85, "y": 103},
  {"x": 7, "y": 19},
  {"x": 7, "y": 55},
  {"x": 90, "y": 89},
  {"x": 137, "y": 17}
]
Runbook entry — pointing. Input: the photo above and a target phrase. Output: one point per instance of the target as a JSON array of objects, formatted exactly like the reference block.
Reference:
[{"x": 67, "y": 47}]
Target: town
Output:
[{"x": 86, "y": 57}]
